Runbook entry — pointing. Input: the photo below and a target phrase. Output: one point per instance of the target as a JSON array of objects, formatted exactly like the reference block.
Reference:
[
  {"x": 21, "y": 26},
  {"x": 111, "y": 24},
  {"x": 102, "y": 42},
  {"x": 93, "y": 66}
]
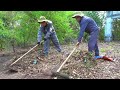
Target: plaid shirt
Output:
[{"x": 47, "y": 30}]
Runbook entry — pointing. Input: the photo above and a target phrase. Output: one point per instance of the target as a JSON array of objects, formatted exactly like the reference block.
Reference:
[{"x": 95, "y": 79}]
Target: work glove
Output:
[{"x": 38, "y": 43}]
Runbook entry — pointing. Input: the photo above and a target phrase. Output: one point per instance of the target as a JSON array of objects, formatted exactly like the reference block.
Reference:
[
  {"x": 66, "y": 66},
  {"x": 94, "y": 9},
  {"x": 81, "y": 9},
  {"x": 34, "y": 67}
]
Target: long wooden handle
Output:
[
  {"x": 24, "y": 55},
  {"x": 66, "y": 59}
]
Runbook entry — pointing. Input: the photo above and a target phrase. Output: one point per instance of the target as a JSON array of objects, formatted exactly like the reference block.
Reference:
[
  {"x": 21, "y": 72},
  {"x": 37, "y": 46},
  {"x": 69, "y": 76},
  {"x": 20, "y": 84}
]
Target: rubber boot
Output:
[{"x": 98, "y": 57}]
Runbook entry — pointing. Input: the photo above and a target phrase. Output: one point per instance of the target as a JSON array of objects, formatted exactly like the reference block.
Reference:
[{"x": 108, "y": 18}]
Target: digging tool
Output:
[
  {"x": 24, "y": 55},
  {"x": 10, "y": 67},
  {"x": 60, "y": 75},
  {"x": 12, "y": 70},
  {"x": 58, "y": 70}
]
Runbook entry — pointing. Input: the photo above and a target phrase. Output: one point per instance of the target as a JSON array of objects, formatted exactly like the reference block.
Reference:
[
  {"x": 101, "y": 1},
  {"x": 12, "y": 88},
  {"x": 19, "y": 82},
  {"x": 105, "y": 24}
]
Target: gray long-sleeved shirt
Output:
[
  {"x": 87, "y": 25},
  {"x": 48, "y": 30}
]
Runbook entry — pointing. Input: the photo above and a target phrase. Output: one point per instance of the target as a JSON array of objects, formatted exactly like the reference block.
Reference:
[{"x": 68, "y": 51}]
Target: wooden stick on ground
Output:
[
  {"x": 24, "y": 55},
  {"x": 66, "y": 59}
]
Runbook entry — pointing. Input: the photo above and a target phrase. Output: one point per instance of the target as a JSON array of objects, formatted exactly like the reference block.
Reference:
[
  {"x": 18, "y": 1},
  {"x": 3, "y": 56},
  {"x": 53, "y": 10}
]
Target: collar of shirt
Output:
[{"x": 81, "y": 19}]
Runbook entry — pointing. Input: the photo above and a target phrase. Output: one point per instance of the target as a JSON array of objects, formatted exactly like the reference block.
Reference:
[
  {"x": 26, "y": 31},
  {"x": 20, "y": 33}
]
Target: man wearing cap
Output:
[
  {"x": 46, "y": 27},
  {"x": 89, "y": 26}
]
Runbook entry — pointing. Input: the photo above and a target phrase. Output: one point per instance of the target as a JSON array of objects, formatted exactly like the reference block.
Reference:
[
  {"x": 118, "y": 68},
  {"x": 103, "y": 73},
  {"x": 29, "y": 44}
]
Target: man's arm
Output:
[
  {"x": 49, "y": 31},
  {"x": 82, "y": 30},
  {"x": 39, "y": 34}
]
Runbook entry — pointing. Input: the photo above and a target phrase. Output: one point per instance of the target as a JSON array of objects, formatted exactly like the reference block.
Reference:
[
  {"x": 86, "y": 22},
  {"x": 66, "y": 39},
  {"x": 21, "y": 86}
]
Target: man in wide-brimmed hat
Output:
[
  {"x": 46, "y": 27},
  {"x": 89, "y": 26}
]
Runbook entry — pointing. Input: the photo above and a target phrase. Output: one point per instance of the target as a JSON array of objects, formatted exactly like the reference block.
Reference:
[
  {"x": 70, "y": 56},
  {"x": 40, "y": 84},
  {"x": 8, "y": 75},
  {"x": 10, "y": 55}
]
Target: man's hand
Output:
[
  {"x": 38, "y": 43},
  {"x": 78, "y": 43},
  {"x": 45, "y": 39}
]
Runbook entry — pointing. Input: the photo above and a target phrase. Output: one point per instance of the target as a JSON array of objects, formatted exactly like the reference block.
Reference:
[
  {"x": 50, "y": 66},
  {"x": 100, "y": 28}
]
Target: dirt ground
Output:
[{"x": 75, "y": 67}]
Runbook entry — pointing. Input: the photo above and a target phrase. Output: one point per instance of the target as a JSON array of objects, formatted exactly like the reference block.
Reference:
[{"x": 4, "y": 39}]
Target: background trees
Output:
[{"x": 19, "y": 28}]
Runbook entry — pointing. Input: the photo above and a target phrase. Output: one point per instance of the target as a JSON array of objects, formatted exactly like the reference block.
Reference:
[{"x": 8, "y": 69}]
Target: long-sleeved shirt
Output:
[
  {"x": 47, "y": 30},
  {"x": 87, "y": 25}
]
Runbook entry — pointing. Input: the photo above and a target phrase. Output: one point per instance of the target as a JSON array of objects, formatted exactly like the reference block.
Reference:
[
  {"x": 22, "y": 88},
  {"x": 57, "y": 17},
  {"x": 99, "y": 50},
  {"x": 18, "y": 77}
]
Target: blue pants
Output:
[
  {"x": 55, "y": 41},
  {"x": 92, "y": 43}
]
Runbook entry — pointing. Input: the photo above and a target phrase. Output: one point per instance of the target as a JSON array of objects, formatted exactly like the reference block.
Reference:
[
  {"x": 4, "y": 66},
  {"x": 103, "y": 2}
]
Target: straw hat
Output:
[
  {"x": 42, "y": 19},
  {"x": 78, "y": 15}
]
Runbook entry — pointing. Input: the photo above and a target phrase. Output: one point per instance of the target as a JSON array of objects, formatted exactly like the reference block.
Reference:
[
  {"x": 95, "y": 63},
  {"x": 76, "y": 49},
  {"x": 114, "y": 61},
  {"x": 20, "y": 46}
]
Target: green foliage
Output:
[
  {"x": 7, "y": 38},
  {"x": 116, "y": 29},
  {"x": 21, "y": 27}
]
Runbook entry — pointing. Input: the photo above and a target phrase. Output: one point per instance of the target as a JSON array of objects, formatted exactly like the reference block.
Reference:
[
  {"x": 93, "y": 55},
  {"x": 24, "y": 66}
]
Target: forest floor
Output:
[{"x": 76, "y": 66}]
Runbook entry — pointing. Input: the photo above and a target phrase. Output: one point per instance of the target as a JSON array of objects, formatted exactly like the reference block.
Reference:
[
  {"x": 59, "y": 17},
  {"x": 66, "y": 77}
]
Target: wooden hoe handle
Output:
[
  {"x": 24, "y": 55},
  {"x": 66, "y": 59}
]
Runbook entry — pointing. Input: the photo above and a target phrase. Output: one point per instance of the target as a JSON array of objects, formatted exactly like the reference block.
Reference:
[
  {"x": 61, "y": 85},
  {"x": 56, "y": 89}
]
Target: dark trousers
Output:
[
  {"x": 55, "y": 41},
  {"x": 92, "y": 43}
]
